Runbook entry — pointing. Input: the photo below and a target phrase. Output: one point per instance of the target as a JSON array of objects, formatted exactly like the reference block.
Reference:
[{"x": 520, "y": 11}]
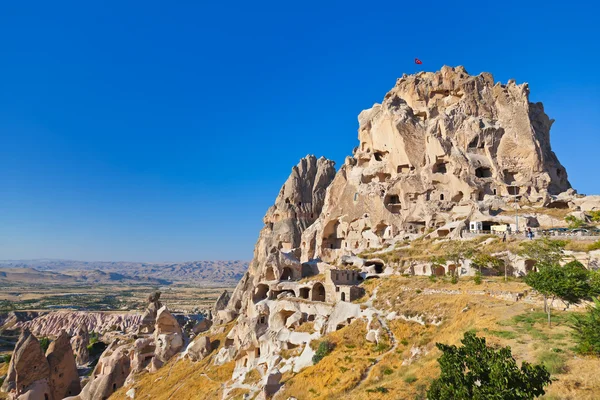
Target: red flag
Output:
[{"x": 417, "y": 61}]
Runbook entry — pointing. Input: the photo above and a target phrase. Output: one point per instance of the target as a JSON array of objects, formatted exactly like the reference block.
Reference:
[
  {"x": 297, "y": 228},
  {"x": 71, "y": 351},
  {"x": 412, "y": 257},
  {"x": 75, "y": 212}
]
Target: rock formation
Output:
[
  {"x": 52, "y": 323},
  {"x": 199, "y": 348},
  {"x": 168, "y": 337},
  {"x": 80, "y": 343},
  {"x": 149, "y": 316},
  {"x": 438, "y": 147},
  {"x": 442, "y": 149},
  {"x": 221, "y": 302},
  {"x": 109, "y": 374},
  {"x": 64, "y": 380}
]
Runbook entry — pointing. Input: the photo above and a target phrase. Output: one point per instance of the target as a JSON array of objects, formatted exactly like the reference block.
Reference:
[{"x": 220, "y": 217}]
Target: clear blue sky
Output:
[{"x": 163, "y": 130}]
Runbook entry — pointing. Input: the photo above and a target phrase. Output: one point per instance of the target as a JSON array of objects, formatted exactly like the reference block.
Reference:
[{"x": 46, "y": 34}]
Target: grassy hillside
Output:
[{"x": 404, "y": 363}]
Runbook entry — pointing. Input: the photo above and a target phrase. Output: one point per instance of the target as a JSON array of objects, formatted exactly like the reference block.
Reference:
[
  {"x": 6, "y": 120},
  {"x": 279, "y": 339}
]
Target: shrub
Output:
[
  {"x": 476, "y": 371},
  {"x": 585, "y": 330},
  {"x": 594, "y": 246},
  {"x": 574, "y": 222},
  {"x": 554, "y": 362},
  {"x": 432, "y": 278},
  {"x": 388, "y": 371},
  {"x": 595, "y": 216},
  {"x": 44, "y": 343},
  {"x": 477, "y": 278},
  {"x": 325, "y": 347},
  {"x": 410, "y": 379},
  {"x": 378, "y": 389},
  {"x": 5, "y": 358},
  {"x": 454, "y": 279}
]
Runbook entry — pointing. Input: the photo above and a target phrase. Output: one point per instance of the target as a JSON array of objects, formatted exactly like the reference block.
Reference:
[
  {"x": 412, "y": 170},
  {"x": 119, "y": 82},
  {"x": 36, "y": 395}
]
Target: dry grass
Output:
[
  {"x": 360, "y": 370},
  {"x": 308, "y": 327},
  {"x": 184, "y": 380},
  {"x": 503, "y": 323},
  {"x": 314, "y": 278}
]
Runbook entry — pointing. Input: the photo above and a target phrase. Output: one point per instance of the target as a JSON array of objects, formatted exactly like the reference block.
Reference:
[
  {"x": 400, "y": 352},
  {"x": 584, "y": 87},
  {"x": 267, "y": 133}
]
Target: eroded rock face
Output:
[
  {"x": 64, "y": 380},
  {"x": 438, "y": 147},
  {"x": 442, "y": 150},
  {"x": 149, "y": 317},
  {"x": 199, "y": 348},
  {"x": 80, "y": 343},
  {"x": 110, "y": 373},
  {"x": 52, "y": 323},
  {"x": 168, "y": 337},
  {"x": 221, "y": 302}
]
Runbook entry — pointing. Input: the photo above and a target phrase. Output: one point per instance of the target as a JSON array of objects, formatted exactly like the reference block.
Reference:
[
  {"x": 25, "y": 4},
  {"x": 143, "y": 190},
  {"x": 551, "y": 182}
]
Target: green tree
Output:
[
  {"x": 571, "y": 283},
  {"x": 477, "y": 372},
  {"x": 543, "y": 251},
  {"x": 585, "y": 330},
  {"x": 325, "y": 347}
]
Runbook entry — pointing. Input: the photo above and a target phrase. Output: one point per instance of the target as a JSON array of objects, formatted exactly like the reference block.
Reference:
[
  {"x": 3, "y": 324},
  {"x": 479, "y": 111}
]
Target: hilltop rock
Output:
[
  {"x": 64, "y": 380},
  {"x": 149, "y": 316},
  {"x": 199, "y": 348},
  {"x": 442, "y": 149}
]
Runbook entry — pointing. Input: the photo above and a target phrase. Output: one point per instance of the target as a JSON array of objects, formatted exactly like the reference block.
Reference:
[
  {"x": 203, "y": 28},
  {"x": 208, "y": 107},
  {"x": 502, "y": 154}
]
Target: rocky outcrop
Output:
[
  {"x": 64, "y": 380},
  {"x": 443, "y": 149},
  {"x": 199, "y": 348},
  {"x": 439, "y": 148},
  {"x": 52, "y": 323},
  {"x": 109, "y": 374},
  {"x": 221, "y": 302},
  {"x": 80, "y": 343},
  {"x": 28, "y": 372},
  {"x": 168, "y": 337},
  {"x": 149, "y": 316}
]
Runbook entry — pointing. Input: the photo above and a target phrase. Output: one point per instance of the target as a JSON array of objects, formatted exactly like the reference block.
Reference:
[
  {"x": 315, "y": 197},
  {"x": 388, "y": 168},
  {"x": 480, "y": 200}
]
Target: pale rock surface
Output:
[
  {"x": 80, "y": 343},
  {"x": 168, "y": 337},
  {"x": 64, "y": 380},
  {"x": 199, "y": 348},
  {"x": 109, "y": 374}
]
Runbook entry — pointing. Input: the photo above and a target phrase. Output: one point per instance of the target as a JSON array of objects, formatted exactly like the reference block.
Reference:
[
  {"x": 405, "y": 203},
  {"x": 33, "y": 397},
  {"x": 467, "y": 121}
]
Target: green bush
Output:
[
  {"x": 454, "y": 279},
  {"x": 378, "y": 389},
  {"x": 477, "y": 278},
  {"x": 574, "y": 222},
  {"x": 585, "y": 330},
  {"x": 44, "y": 343},
  {"x": 432, "y": 278},
  {"x": 325, "y": 347},
  {"x": 5, "y": 358},
  {"x": 476, "y": 371},
  {"x": 595, "y": 216}
]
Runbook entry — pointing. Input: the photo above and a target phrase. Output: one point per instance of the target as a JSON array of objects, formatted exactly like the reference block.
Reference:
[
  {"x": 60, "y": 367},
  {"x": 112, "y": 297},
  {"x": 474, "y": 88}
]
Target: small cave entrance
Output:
[
  {"x": 474, "y": 143},
  {"x": 457, "y": 197},
  {"x": 440, "y": 167},
  {"x": 530, "y": 265},
  {"x": 392, "y": 203},
  {"x": 452, "y": 269},
  {"x": 378, "y": 155},
  {"x": 318, "y": 292},
  {"x": 377, "y": 265},
  {"x": 260, "y": 293},
  {"x": 287, "y": 274},
  {"x": 404, "y": 169},
  {"x": 307, "y": 270},
  {"x": 511, "y": 176},
  {"x": 439, "y": 270},
  {"x": 304, "y": 292},
  {"x": 441, "y": 196},
  {"x": 343, "y": 296},
  {"x": 513, "y": 190},
  {"x": 558, "y": 204},
  {"x": 483, "y": 172}
]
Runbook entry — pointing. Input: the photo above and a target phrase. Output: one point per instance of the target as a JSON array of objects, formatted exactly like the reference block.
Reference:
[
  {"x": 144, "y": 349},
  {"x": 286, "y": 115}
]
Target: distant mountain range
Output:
[{"x": 206, "y": 273}]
